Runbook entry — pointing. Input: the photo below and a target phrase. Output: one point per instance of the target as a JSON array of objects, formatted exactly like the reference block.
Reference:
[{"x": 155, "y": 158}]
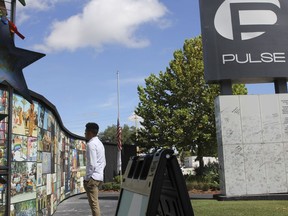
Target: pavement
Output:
[{"x": 78, "y": 205}]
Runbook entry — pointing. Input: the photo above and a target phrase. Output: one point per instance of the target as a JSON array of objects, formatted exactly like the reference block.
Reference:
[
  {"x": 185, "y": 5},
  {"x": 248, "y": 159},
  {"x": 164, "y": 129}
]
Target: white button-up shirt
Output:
[{"x": 95, "y": 160}]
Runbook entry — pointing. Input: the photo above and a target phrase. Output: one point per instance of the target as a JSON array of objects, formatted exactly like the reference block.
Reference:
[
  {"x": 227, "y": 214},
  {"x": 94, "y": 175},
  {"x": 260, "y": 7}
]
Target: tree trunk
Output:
[
  {"x": 201, "y": 165},
  {"x": 200, "y": 159}
]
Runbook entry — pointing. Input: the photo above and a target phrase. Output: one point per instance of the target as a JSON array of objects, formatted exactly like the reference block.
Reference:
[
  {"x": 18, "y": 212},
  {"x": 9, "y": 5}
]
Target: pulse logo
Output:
[{"x": 246, "y": 19}]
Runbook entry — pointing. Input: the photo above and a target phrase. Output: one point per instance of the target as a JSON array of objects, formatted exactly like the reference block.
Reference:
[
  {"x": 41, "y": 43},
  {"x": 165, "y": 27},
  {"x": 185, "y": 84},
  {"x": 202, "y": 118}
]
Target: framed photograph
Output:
[
  {"x": 41, "y": 114},
  {"x": 48, "y": 184},
  {"x": 26, "y": 208},
  {"x": 32, "y": 149},
  {"x": 39, "y": 157},
  {"x": 44, "y": 140},
  {"x": 24, "y": 116},
  {"x": 46, "y": 163},
  {"x": 41, "y": 198},
  {"x": 39, "y": 174},
  {"x": 19, "y": 148},
  {"x": 3, "y": 101},
  {"x": 23, "y": 182}
]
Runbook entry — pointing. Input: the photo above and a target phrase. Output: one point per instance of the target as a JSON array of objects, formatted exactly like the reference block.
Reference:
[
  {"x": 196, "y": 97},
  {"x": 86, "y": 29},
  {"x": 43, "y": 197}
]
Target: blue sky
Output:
[{"x": 87, "y": 41}]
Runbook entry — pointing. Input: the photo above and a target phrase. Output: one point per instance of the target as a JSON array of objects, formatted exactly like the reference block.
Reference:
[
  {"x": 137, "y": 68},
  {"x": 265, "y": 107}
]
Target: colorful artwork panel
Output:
[
  {"x": 81, "y": 159},
  {"x": 3, "y": 132},
  {"x": 39, "y": 140},
  {"x": 3, "y": 142},
  {"x": 49, "y": 184},
  {"x": 47, "y": 141},
  {"x": 45, "y": 121},
  {"x": 41, "y": 200},
  {"x": 44, "y": 179},
  {"x": 32, "y": 149},
  {"x": 44, "y": 140},
  {"x": 83, "y": 145},
  {"x": 41, "y": 114},
  {"x": 23, "y": 182},
  {"x": 72, "y": 143},
  {"x": 74, "y": 159},
  {"x": 39, "y": 174},
  {"x": 19, "y": 148},
  {"x": 43, "y": 155},
  {"x": 3, "y": 194},
  {"x": 32, "y": 120},
  {"x": 27, "y": 208},
  {"x": 63, "y": 138},
  {"x": 46, "y": 163},
  {"x": 49, "y": 205},
  {"x": 3, "y": 102},
  {"x": 25, "y": 117},
  {"x": 39, "y": 157}
]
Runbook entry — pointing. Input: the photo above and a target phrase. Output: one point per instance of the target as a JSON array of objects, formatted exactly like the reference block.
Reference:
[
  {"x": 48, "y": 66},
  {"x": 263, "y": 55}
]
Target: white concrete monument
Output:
[{"x": 252, "y": 136}]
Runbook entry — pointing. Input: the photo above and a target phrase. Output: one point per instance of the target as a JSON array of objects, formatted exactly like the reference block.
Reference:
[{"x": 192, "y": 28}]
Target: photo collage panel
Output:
[{"x": 48, "y": 164}]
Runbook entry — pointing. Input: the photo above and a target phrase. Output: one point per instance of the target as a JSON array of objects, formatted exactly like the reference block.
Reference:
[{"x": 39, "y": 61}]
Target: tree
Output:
[
  {"x": 178, "y": 106},
  {"x": 110, "y": 134}
]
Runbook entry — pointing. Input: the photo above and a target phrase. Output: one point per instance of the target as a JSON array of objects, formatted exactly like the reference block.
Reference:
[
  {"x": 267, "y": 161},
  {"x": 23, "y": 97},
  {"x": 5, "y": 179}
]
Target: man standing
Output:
[{"x": 95, "y": 164}]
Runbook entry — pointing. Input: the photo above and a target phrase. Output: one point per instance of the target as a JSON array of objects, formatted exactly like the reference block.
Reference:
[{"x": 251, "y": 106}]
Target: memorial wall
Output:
[
  {"x": 252, "y": 133},
  {"x": 47, "y": 161}
]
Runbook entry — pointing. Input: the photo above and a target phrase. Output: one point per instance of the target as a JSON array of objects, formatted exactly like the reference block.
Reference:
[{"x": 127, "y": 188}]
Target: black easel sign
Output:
[{"x": 154, "y": 185}]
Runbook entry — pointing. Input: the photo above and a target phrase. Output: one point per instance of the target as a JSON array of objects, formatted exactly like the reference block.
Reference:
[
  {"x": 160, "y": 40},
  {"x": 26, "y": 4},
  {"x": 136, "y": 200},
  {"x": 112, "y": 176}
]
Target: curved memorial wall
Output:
[{"x": 47, "y": 161}]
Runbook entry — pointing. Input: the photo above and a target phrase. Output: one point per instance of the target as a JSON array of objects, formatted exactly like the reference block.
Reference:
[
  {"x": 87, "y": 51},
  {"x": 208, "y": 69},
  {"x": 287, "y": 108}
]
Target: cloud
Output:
[
  {"x": 23, "y": 13},
  {"x": 41, "y": 5},
  {"x": 104, "y": 22}
]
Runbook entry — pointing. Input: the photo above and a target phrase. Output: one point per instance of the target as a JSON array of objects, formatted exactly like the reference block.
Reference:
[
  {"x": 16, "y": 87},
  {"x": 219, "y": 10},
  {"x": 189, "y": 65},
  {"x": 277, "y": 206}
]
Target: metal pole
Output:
[
  {"x": 280, "y": 85},
  {"x": 226, "y": 87},
  {"x": 10, "y": 113},
  {"x": 9, "y": 144},
  {"x": 118, "y": 95},
  {"x": 13, "y": 11},
  {"x": 118, "y": 117}
]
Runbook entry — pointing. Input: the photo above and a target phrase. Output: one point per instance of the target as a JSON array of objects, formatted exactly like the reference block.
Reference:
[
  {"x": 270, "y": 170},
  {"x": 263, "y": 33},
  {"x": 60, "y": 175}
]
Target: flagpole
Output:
[
  {"x": 118, "y": 97},
  {"x": 119, "y": 133}
]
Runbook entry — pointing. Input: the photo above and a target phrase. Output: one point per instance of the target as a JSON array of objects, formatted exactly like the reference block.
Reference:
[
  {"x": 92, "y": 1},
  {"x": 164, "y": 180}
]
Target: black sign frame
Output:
[
  {"x": 257, "y": 60},
  {"x": 158, "y": 180}
]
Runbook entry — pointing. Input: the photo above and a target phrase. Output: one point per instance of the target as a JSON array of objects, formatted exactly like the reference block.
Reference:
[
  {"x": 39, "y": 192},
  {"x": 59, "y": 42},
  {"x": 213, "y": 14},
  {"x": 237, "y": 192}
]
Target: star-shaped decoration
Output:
[{"x": 13, "y": 60}]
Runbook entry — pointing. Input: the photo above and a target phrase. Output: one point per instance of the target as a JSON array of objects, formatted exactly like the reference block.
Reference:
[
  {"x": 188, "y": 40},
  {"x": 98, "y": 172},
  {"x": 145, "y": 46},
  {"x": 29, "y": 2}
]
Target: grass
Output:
[{"x": 240, "y": 208}]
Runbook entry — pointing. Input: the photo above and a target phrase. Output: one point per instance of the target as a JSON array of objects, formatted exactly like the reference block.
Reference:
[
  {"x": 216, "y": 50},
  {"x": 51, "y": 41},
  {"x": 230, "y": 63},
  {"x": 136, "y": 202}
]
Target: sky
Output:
[{"x": 87, "y": 42}]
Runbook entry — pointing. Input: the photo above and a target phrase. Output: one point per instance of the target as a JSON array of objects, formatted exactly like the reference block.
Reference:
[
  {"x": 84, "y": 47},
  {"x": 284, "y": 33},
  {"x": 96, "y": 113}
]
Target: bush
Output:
[
  {"x": 191, "y": 185},
  {"x": 191, "y": 178},
  {"x": 211, "y": 172},
  {"x": 209, "y": 180},
  {"x": 110, "y": 186},
  {"x": 214, "y": 186},
  {"x": 205, "y": 186},
  {"x": 117, "y": 179}
]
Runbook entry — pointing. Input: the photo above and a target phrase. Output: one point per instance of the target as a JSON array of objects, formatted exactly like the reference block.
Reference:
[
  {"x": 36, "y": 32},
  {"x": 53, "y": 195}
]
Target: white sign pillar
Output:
[{"x": 252, "y": 136}]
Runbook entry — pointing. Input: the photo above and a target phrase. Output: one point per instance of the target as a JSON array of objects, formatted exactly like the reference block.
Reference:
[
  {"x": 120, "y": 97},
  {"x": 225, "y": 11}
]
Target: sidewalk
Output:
[{"x": 78, "y": 205}]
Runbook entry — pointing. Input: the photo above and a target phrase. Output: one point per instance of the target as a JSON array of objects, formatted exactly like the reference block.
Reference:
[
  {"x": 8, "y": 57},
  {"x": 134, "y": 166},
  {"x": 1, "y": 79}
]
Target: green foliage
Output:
[
  {"x": 115, "y": 185},
  {"x": 110, "y": 186},
  {"x": 210, "y": 172},
  {"x": 204, "y": 186},
  {"x": 178, "y": 106},
  {"x": 110, "y": 134},
  {"x": 209, "y": 180},
  {"x": 117, "y": 179}
]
